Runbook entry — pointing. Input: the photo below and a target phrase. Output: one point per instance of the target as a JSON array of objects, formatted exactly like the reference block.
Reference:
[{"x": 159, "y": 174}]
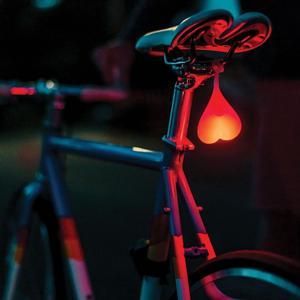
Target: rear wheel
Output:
[
  {"x": 247, "y": 275},
  {"x": 41, "y": 272}
]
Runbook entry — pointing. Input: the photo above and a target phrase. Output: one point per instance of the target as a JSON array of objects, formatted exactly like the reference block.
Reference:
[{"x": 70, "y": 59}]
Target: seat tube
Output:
[
  {"x": 180, "y": 111},
  {"x": 158, "y": 249},
  {"x": 159, "y": 235},
  {"x": 176, "y": 138}
]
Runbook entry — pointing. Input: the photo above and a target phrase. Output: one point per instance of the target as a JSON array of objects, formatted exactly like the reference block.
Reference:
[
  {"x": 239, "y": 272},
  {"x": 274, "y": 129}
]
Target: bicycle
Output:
[{"x": 254, "y": 274}]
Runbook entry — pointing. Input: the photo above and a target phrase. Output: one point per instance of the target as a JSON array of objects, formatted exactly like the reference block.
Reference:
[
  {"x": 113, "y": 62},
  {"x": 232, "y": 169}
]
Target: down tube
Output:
[{"x": 69, "y": 235}]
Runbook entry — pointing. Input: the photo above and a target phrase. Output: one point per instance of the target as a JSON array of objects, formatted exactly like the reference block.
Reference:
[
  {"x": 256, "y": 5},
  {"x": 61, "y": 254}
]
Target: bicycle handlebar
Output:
[{"x": 87, "y": 93}]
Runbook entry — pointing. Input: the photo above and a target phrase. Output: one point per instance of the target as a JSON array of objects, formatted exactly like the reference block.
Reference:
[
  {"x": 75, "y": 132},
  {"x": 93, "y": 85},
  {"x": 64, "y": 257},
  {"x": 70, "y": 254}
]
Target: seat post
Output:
[
  {"x": 181, "y": 109},
  {"x": 180, "y": 113}
]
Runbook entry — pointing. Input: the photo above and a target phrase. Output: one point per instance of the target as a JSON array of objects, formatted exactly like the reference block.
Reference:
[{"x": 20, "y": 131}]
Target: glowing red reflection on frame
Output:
[{"x": 219, "y": 120}]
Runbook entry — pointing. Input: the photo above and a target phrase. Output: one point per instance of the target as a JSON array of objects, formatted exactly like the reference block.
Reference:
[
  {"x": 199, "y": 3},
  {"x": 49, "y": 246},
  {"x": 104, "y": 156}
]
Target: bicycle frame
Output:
[{"x": 166, "y": 228}]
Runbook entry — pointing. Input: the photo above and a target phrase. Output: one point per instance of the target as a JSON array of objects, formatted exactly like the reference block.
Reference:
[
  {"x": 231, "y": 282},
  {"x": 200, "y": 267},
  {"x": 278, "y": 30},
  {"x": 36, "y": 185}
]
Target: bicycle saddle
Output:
[{"x": 209, "y": 31}]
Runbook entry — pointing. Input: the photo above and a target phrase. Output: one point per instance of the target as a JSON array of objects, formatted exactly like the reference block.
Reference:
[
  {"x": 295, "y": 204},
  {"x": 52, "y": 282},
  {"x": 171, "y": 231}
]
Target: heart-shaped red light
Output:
[{"x": 219, "y": 120}]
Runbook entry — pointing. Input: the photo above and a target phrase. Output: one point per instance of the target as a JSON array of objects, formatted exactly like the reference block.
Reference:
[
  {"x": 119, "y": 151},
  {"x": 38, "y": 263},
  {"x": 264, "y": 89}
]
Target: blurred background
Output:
[{"x": 249, "y": 187}]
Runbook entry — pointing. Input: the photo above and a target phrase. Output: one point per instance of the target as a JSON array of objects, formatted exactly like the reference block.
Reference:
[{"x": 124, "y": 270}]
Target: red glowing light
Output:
[
  {"x": 22, "y": 91},
  {"x": 219, "y": 120}
]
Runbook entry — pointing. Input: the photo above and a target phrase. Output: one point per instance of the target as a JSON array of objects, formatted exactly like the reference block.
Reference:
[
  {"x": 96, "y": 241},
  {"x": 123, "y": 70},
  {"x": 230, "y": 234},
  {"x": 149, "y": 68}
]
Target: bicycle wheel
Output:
[
  {"x": 247, "y": 274},
  {"x": 41, "y": 271}
]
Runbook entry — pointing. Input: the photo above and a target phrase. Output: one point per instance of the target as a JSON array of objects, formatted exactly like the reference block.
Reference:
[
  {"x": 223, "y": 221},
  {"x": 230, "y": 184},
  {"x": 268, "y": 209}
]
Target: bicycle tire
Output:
[
  {"x": 41, "y": 276},
  {"x": 247, "y": 275}
]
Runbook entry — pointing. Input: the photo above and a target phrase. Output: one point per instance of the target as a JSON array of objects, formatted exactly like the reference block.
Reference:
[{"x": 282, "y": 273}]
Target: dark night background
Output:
[{"x": 57, "y": 44}]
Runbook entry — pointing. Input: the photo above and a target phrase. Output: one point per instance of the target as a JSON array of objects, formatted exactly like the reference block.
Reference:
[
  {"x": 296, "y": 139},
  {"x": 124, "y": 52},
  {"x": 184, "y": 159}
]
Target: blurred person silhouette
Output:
[
  {"x": 115, "y": 58},
  {"x": 119, "y": 64}
]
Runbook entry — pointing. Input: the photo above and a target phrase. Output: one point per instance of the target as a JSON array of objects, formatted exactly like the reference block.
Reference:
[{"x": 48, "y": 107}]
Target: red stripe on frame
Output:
[
  {"x": 205, "y": 240},
  {"x": 21, "y": 242},
  {"x": 179, "y": 258},
  {"x": 71, "y": 240}
]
